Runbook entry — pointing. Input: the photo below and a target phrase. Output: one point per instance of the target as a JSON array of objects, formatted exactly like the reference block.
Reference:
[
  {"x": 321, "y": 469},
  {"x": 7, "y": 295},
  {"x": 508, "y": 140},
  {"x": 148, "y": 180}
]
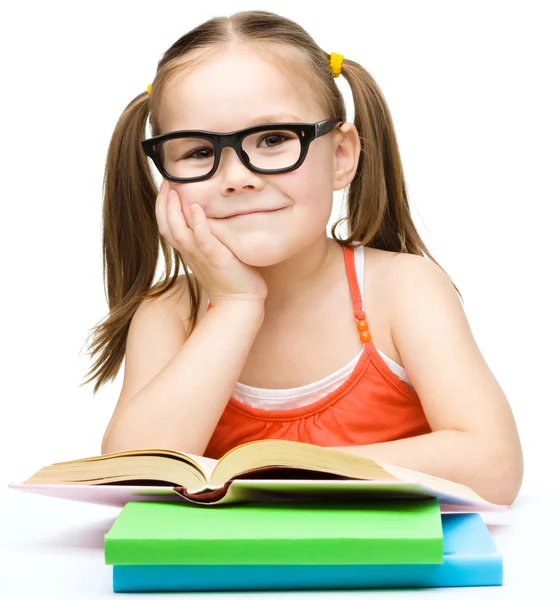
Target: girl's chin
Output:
[
  {"x": 263, "y": 253},
  {"x": 260, "y": 259}
]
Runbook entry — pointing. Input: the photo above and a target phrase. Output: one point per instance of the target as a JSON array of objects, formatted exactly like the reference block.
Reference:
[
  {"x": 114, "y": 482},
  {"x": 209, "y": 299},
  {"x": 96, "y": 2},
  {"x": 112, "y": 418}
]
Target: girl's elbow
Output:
[{"x": 506, "y": 469}]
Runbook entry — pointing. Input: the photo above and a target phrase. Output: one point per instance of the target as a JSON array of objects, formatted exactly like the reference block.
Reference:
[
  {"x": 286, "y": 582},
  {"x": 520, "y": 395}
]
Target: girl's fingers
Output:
[
  {"x": 203, "y": 235},
  {"x": 161, "y": 211},
  {"x": 186, "y": 230},
  {"x": 180, "y": 230},
  {"x": 187, "y": 215}
]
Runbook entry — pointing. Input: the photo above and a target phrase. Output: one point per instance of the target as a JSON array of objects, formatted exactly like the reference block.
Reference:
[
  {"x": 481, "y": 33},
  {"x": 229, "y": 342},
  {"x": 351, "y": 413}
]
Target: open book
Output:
[{"x": 265, "y": 468}]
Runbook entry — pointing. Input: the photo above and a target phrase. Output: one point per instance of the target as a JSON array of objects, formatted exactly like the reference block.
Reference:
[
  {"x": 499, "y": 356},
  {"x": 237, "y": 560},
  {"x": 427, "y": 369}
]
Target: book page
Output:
[
  {"x": 206, "y": 464},
  {"x": 273, "y": 453}
]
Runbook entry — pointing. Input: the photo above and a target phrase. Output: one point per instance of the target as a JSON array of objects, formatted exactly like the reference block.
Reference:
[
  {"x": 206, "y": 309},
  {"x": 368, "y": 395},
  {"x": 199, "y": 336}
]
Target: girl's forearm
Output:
[
  {"x": 492, "y": 470},
  {"x": 180, "y": 407}
]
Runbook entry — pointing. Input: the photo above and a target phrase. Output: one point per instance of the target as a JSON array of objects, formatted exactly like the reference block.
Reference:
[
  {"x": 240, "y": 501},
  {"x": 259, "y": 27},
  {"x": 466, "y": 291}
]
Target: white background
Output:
[{"x": 472, "y": 88}]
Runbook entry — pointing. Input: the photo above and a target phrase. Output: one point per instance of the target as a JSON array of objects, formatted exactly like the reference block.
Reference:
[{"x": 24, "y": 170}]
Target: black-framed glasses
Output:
[{"x": 188, "y": 156}]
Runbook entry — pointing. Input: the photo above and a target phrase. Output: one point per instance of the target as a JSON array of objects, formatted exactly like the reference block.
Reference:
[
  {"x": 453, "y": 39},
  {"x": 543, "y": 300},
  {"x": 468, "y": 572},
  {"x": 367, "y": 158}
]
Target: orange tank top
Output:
[{"x": 372, "y": 405}]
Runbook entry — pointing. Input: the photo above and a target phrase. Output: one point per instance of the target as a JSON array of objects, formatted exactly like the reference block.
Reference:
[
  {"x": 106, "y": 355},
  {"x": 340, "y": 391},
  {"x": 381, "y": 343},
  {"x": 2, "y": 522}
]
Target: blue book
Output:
[{"x": 470, "y": 559}]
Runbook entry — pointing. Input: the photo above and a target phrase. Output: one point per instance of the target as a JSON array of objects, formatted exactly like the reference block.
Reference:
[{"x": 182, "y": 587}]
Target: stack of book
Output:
[
  {"x": 275, "y": 514},
  {"x": 393, "y": 543}
]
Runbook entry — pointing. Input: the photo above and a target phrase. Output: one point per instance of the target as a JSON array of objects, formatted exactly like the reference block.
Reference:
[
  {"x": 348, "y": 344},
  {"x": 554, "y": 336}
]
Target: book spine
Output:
[
  {"x": 471, "y": 571},
  {"x": 317, "y": 551}
]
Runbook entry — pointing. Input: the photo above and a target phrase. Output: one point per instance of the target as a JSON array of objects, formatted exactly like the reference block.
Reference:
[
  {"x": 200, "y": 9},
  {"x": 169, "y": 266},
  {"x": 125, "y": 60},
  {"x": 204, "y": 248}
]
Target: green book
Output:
[{"x": 396, "y": 531}]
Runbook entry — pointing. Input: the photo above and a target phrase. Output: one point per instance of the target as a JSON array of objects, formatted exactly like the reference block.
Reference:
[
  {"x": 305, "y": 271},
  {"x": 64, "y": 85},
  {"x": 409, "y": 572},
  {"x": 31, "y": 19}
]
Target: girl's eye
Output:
[
  {"x": 273, "y": 139},
  {"x": 201, "y": 153}
]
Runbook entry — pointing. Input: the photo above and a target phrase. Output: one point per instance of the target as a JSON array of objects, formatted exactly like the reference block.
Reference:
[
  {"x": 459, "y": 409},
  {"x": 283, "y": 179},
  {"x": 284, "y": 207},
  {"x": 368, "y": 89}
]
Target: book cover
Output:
[
  {"x": 379, "y": 532},
  {"x": 257, "y": 490},
  {"x": 470, "y": 558},
  {"x": 280, "y": 467}
]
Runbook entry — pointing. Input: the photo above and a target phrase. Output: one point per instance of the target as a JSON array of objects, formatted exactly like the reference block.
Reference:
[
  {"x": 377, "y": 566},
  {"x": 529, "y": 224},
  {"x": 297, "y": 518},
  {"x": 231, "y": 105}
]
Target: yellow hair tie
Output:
[
  {"x": 149, "y": 89},
  {"x": 336, "y": 61}
]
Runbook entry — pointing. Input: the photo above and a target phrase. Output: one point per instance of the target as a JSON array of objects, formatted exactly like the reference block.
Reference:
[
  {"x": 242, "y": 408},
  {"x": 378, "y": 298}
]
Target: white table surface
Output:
[{"x": 53, "y": 548}]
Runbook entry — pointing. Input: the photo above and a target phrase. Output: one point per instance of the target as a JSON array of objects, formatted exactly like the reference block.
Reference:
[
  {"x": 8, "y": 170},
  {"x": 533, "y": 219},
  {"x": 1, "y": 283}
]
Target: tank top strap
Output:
[{"x": 356, "y": 299}]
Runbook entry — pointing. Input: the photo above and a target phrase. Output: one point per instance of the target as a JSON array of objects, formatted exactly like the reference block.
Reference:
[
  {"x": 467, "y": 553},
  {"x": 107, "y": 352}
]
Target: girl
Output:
[{"x": 277, "y": 330}]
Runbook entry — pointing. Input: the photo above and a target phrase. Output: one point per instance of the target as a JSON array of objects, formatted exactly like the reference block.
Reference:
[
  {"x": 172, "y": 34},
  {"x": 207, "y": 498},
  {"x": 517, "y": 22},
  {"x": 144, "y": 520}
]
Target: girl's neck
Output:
[{"x": 300, "y": 278}]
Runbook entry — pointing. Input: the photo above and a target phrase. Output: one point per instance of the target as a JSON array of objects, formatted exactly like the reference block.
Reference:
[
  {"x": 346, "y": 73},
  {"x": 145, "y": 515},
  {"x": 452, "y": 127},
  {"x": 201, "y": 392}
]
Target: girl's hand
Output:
[{"x": 223, "y": 276}]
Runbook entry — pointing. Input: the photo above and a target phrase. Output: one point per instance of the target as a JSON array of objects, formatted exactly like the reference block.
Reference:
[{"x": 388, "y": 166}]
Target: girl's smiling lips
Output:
[{"x": 250, "y": 213}]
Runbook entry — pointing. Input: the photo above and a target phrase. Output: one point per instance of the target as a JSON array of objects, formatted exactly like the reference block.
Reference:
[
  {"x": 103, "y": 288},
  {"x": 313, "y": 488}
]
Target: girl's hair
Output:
[{"x": 378, "y": 212}]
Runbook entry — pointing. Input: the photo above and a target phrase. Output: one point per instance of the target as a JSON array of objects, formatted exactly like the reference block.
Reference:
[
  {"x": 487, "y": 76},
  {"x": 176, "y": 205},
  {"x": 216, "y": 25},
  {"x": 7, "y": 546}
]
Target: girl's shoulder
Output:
[
  {"x": 397, "y": 269},
  {"x": 394, "y": 282}
]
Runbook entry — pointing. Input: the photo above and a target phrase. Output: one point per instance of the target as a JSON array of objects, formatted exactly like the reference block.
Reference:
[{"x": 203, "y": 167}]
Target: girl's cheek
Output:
[{"x": 192, "y": 193}]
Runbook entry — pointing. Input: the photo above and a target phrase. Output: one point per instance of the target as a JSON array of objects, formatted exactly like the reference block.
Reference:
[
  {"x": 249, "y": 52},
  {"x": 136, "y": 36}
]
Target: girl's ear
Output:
[{"x": 346, "y": 155}]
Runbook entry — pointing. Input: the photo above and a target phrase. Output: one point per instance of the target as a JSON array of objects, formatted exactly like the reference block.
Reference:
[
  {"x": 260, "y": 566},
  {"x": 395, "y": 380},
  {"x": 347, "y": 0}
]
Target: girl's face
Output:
[{"x": 233, "y": 91}]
